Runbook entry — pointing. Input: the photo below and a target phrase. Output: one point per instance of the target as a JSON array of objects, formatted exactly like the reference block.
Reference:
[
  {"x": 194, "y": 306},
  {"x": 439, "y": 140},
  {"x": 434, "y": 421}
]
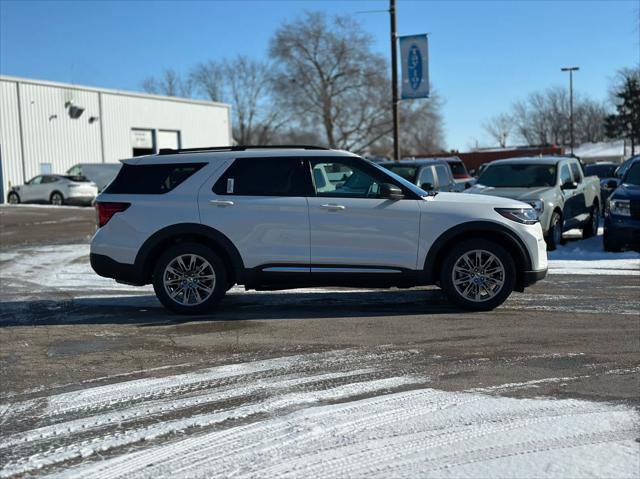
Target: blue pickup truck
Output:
[{"x": 622, "y": 212}]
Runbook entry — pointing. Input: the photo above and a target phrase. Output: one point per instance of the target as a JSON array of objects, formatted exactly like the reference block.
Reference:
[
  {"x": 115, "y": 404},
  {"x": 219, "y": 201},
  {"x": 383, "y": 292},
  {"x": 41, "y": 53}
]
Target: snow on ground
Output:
[
  {"x": 66, "y": 267},
  {"x": 587, "y": 256},
  {"x": 314, "y": 415}
]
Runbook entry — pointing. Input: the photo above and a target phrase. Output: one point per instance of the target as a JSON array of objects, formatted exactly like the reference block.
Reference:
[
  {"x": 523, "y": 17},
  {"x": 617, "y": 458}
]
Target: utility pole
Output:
[
  {"x": 570, "y": 70},
  {"x": 394, "y": 80}
]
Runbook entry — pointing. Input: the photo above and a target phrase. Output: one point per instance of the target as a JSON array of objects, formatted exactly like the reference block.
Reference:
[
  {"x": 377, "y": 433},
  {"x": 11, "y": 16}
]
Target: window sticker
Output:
[{"x": 230, "y": 182}]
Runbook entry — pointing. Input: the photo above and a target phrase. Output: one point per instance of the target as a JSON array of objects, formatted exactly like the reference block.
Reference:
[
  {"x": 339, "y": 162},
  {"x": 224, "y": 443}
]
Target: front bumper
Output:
[
  {"x": 531, "y": 277},
  {"x": 623, "y": 230}
]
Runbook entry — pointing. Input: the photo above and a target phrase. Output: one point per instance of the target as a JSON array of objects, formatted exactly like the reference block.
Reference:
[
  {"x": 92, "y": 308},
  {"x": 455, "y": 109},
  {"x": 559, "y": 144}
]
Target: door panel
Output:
[
  {"x": 365, "y": 231},
  {"x": 352, "y": 226}
]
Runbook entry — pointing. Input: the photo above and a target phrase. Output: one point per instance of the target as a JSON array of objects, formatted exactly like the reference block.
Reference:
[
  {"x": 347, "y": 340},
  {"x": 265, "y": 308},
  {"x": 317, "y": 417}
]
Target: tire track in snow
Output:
[{"x": 131, "y": 436}]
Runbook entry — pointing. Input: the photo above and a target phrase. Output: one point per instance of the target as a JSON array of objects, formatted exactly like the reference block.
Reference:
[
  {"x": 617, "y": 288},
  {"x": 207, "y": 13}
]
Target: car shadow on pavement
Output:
[{"x": 236, "y": 306}]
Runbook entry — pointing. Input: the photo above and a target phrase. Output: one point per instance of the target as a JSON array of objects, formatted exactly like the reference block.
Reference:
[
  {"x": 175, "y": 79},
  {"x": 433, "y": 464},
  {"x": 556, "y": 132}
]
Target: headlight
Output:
[
  {"x": 537, "y": 205},
  {"x": 620, "y": 207},
  {"x": 526, "y": 216}
]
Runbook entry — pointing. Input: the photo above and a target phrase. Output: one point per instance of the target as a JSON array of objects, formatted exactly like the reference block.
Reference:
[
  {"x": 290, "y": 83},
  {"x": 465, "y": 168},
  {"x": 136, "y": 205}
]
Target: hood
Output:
[
  {"x": 520, "y": 194},
  {"x": 462, "y": 199},
  {"x": 627, "y": 192}
]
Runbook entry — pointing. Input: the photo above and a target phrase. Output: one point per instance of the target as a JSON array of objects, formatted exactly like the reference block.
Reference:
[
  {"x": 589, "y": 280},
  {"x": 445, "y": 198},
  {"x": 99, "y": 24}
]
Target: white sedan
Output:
[{"x": 54, "y": 189}]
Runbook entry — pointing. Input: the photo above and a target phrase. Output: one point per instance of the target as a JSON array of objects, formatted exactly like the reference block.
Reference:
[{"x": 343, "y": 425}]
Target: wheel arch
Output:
[
  {"x": 192, "y": 232},
  {"x": 480, "y": 230}
]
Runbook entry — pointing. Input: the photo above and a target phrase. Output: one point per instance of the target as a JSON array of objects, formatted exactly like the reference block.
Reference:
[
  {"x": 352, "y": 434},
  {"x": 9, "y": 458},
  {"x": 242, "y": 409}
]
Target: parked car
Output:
[
  {"x": 100, "y": 173},
  {"x": 606, "y": 173},
  {"x": 194, "y": 223},
  {"x": 556, "y": 187},
  {"x": 54, "y": 189},
  {"x": 622, "y": 213},
  {"x": 462, "y": 177},
  {"x": 430, "y": 175}
]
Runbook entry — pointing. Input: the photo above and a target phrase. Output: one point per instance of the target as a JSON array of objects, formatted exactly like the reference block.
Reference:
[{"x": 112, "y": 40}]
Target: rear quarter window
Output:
[{"x": 151, "y": 179}]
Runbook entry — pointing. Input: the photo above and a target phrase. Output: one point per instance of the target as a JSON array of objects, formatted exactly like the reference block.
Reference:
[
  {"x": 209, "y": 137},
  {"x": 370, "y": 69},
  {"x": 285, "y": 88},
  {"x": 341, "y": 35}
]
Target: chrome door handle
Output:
[
  {"x": 333, "y": 207},
  {"x": 221, "y": 202}
]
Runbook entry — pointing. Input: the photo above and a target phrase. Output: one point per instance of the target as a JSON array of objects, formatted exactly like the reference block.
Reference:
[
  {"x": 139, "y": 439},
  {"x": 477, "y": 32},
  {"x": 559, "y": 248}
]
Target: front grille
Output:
[{"x": 635, "y": 209}]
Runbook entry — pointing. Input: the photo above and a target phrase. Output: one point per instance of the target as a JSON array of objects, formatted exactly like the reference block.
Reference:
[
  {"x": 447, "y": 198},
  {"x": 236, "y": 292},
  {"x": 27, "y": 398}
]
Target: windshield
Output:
[
  {"x": 518, "y": 176},
  {"x": 633, "y": 175},
  {"x": 409, "y": 173}
]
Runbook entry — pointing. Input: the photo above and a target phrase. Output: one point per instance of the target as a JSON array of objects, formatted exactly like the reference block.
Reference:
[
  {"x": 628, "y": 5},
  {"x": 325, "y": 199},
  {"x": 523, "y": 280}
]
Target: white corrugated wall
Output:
[
  {"x": 50, "y": 136},
  {"x": 199, "y": 124},
  {"x": 10, "y": 151}
]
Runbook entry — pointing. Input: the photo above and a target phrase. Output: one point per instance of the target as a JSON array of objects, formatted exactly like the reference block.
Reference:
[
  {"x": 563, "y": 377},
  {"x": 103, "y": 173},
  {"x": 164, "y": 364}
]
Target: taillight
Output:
[{"x": 106, "y": 210}]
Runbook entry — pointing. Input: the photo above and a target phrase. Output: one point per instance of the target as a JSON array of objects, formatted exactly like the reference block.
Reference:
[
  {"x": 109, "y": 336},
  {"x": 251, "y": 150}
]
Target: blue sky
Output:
[{"x": 483, "y": 54}]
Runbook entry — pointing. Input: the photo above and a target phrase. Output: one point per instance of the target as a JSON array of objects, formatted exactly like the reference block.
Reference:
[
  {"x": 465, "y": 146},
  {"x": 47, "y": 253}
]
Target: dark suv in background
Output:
[
  {"x": 622, "y": 213},
  {"x": 428, "y": 174}
]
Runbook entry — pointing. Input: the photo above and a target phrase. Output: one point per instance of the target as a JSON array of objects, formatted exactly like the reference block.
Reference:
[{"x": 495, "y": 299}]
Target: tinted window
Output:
[
  {"x": 151, "y": 179},
  {"x": 443, "y": 175},
  {"x": 426, "y": 176},
  {"x": 601, "y": 171},
  {"x": 575, "y": 172},
  {"x": 565, "y": 175},
  {"x": 633, "y": 174},
  {"x": 265, "y": 177},
  {"x": 49, "y": 179},
  {"x": 518, "y": 176},
  {"x": 457, "y": 167}
]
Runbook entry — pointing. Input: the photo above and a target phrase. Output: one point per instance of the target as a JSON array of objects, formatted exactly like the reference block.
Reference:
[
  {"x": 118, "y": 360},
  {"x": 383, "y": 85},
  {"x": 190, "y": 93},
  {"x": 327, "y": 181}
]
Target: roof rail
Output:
[{"x": 171, "y": 151}]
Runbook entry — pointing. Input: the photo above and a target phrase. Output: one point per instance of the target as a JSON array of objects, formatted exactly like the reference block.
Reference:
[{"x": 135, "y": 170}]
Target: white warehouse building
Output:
[{"x": 48, "y": 127}]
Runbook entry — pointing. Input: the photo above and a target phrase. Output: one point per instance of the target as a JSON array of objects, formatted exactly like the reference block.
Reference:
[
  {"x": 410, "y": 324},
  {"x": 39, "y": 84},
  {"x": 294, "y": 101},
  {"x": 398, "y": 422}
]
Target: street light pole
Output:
[
  {"x": 394, "y": 80},
  {"x": 570, "y": 70}
]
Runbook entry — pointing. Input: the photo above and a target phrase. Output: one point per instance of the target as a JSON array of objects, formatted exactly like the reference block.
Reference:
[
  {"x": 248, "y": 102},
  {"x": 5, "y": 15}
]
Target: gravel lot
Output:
[{"x": 98, "y": 380}]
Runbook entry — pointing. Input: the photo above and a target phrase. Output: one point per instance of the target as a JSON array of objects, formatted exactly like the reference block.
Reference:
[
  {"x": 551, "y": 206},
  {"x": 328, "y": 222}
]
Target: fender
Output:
[
  {"x": 212, "y": 236},
  {"x": 467, "y": 230}
]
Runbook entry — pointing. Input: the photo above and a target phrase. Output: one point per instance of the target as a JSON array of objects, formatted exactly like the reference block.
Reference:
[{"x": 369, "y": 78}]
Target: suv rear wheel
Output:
[
  {"x": 478, "y": 274},
  {"x": 189, "y": 278}
]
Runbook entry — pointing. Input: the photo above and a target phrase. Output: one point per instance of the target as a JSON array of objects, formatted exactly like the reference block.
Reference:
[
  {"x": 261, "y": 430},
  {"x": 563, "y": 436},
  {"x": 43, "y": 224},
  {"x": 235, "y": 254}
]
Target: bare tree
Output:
[
  {"x": 421, "y": 126},
  {"x": 543, "y": 118},
  {"x": 499, "y": 128},
  {"x": 209, "y": 80},
  {"x": 256, "y": 117},
  {"x": 328, "y": 76},
  {"x": 169, "y": 83}
]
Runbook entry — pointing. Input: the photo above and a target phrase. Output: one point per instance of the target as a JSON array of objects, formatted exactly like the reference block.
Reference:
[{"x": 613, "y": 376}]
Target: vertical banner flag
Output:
[{"x": 414, "y": 50}]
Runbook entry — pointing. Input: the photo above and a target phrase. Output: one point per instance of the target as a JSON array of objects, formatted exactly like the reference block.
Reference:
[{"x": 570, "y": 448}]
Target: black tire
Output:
[
  {"x": 610, "y": 244},
  {"x": 13, "y": 198},
  {"x": 183, "y": 297},
  {"x": 554, "y": 235},
  {"x": 500, "y": 294},
  {"x": 56, "y": 198},
  {"x": 591, "y": 228}
]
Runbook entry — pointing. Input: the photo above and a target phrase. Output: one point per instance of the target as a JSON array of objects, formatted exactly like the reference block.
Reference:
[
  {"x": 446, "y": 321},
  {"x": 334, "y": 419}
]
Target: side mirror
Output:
[
  {"x": 569, "y": 185},
  {"x": 612, "y": 184},
  {"x": 426, "y": 186},
  {"x": 392, "y": 192}
]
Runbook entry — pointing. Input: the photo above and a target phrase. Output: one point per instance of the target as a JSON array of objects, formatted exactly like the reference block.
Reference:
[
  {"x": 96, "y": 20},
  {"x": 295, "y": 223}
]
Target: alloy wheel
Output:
[
  {"x": 189, "y": 279},
  {"x": 478, "y": 275}
]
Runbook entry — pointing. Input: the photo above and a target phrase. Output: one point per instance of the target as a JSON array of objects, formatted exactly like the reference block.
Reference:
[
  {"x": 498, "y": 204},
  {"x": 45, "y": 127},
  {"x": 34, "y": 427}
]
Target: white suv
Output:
[{"x": 196, "y": 222}]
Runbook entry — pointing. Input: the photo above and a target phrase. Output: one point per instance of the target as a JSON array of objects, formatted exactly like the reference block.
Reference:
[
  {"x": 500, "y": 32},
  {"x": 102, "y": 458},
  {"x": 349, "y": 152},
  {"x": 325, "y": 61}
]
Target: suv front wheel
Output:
[
  {"x": 189, "y": 278},
  {"x": 478, "y": 274}
]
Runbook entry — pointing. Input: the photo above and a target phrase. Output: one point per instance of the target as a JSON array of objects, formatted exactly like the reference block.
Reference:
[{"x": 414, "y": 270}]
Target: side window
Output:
[
  {"x": 75, "y": 171},
  {"x": 426, "y": 176},
  {"x": 352, "y": 182},
  {"x": 151, "y": 179},
  {"x": 565, "y": 174},
  {"x": 49, "y": 179},
  {"x": 576, "y": 173},
  {"x": 265, "y": 177},
  {"x": 35, "y": 181},
  {"x": 444, "y": 177}
]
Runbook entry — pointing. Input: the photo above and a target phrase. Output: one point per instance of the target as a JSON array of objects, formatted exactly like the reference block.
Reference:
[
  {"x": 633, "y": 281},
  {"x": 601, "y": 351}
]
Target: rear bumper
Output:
[
  {"x": 123, "y": 273},
  {"x": 532, "y": 277}
]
